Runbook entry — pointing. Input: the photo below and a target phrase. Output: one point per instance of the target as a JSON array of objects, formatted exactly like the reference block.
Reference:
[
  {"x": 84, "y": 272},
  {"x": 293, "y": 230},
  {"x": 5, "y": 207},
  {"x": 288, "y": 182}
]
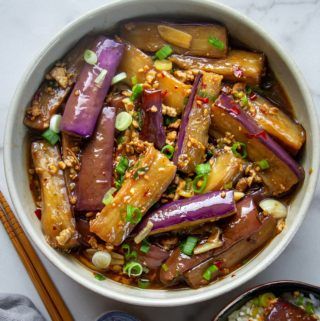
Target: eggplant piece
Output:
[
  {"x": 175, "y": 92},
  {"x": 86, "y": 100},
  {"x": 276, "y": 123},
  {"x": 239, "y": 227},
  {"x": 57, "y": 221},
  {"x": 282, "y": 310},
  {"x": 151, "y": 36},
  {"x": 152, "y": 129},
  {"x": 133, "y": 63},
  {"x": 193, "y": 133},
  {"x": 283, "y": 172},
  {"x": 52, "y": 93},
  {"x": 142, "y": 192},
  {"x": 224, "y": 169},
  {"x": 211, "y": 86},
  {"x": 191, "y": 211},
  {"x": 70, "y": 156},
  {"x": 154, "y": 258},
  {"x": 95, "y": 176},
  {"x": 239, "y": 65},
  {"x": 235, "y": 254}
]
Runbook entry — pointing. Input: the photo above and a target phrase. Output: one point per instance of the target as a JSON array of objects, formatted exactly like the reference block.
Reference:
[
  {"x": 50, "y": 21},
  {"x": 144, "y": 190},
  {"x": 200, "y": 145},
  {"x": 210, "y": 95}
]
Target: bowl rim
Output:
[
  {"x": 258, "y": 288},
  {"x": 163, "y": 301}
]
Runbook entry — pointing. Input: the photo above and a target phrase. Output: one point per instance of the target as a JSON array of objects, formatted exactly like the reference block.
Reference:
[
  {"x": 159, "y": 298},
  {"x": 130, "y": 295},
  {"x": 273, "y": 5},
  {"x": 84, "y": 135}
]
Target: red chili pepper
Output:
[
  {"x": 237, "y": 71},
  {"x": 203, "y": 99},
  {"x": 253, "y": 96},
  {"x": 218, "y": 264},
  {"x": 262, "y": 134},
  {"x": 38, "y": 213}
]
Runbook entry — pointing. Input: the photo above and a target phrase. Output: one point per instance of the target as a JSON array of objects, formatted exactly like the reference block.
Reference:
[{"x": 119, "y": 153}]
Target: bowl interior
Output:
[
  {"x": 102, "y": 19},
  {"x": 278, "y": 288}
]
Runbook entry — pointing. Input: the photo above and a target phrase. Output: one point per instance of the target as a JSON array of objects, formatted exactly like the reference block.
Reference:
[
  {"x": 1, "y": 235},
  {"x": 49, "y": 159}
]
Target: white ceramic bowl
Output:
[{"x": 104, "y": 18}]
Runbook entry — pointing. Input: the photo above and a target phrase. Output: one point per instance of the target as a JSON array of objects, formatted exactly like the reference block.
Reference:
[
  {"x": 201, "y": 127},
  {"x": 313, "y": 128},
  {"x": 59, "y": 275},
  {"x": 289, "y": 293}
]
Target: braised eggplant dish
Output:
[{"x": 162, "y": 154}]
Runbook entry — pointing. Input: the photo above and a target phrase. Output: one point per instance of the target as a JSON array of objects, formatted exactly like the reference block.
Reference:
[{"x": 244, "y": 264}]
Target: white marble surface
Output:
[{"x": 27, "y": 25}]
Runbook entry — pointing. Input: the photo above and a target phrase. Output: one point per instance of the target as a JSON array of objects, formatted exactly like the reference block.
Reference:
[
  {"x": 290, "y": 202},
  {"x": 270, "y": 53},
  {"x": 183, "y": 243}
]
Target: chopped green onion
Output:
[
  {"x": 51, "y": 136},
  {"x": 133, "y": 269},
  {"x": 143, "y": 283},
  {"x": 300, "y": 300},
  {"x": 309, "y": 308},
  {"x": 164, "y": 52},
  {"x": 244, "y": 100},
  {"x": 189, "y": 245},
  {"x": 108, "y": 198},
  {"x": 99, "y": 277},
  {"x": 163, "y": 65},
  {"x": 145, "y": 247},
  {"x": 55, "y": 121},
  {"x": 123, "y": 121},
  {"x": 200, "y": 178},
  {"x": 169, "y": 120},
  {"x": 203, "y": 169},
  {"x": 118, "y": 182},
  {"x": 264, "y": 299},
  {"x": 239, "y": 149},
  {"x": 90, "y": 57},
  {"x": 164, "y": 267},
  {"x": 248, "y": 90},
  {"x": 134, "y": 214},
  {"x": 207, "y": 275},
  {"x": 126, "y": 248},
  {"x": 215, "y": 42},
  {"x": 100, "y": 78},
  {"x": 205, "y": 94},
  {"x": 140, "y": 171},
  {"x": 228, "y": 185},
  {"x": 263, "y": 164},
  {"x": 122, "y": 166},
  {"x": 128, "y": 254},
  {"x": 134, "y": 80},
  {"x": 120, "y": 139},
  {"x": 168, "y": 150},
  {"x": 139, "y": 118},
  {"x": 136, "y": 91},
  {"x": 119, "y": 77}
]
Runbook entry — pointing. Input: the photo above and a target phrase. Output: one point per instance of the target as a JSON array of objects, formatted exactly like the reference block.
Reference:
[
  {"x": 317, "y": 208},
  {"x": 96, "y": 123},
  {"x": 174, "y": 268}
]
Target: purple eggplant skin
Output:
[
  {"x": 154, "y": 258},
  {"x": 95, "y": 176},
  {"x": 238, "y": 227},
  {"x": 152, "y": 128},
  {"x": 283, "y": 172},
  {"x": 194, "y": 131},
  {"x": 86, "y": 100},
  {"x": 49, "y": 98},
  {"x": 191, "y": 211}
]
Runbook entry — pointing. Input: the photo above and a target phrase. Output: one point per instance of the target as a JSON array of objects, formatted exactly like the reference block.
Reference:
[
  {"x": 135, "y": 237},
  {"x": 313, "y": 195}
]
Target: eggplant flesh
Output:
[
  {"x": 95, "y": 176},
  {"x": 283, "y": 172},
  {"x": 57, "y": 221},
  {"x": 239, "y": 65},
  {"x": 52, "y": 93},
  {"x": 141, "y": 192},
  {"x": 276, "y": 123},
  {"x": 146, "y": 36}
]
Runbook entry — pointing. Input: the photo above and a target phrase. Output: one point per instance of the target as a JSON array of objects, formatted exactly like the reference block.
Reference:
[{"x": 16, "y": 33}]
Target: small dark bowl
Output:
[{"x": 276, "y": 287}]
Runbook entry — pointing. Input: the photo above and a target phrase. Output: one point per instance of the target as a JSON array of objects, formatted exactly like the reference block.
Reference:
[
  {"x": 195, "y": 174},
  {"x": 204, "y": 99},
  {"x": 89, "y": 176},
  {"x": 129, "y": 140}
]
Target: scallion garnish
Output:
[
  {"x": 55, "y": 121},
  {"x": 136, "y": 91},
  {"x": 207, "y": 275},
  {"x": 90, "y": 57},
  {"x": 265, "y": 298},
  {"x": 228, "y": 185},
  {"x": 199, "y": 183},
  {"x": 244, "y": 100},
  {"x": 128, "y": 254},
  {"x": 100, "y": 78},
  {"x": 215, "y": 42},
  {"x": 99, "y": 277},
  {"x": 140, "y": 171},
  {"x": 239, "y": 149},
  {"x": 134, "y": 80},
  {"x": 189, "y": 245},
  {"x": 51, "y": 136},
  {"x": 309, "y": 307},
  {"x": 134, "y": 214},
  {"x": 263, "y": 164},
  {"x": 169, "y": 120},
  {"x": 145, "y": 247},
  {"x": 122, "y": 166},
  {"x": 119, "y": 77},
  {"x": 203, "y": 169},
  {"x": 143, "y": 283},
  {"x": 163, "y": 65},
  {"x": 133, "y": 269},
  {"x": 123, "y": 121},
  {"x": 168, "y": 150},
  {"x": 108, "y": 198},
  {"x": 164, "y": 267},
  {"x": 164, "y": 52}
]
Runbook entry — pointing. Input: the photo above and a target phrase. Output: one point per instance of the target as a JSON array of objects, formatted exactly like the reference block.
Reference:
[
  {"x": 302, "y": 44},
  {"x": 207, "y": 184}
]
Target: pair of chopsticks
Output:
[{"x": 51, "y": 298}]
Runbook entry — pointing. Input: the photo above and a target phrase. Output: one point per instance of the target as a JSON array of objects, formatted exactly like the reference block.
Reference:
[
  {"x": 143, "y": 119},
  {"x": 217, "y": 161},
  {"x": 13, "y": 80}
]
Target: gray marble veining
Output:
[{"x": 26, "y": 26}]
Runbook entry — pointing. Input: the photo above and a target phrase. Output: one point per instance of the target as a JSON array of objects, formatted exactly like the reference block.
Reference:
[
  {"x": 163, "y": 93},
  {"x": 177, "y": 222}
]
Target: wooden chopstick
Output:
[{"x": 51, "y": 298}]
